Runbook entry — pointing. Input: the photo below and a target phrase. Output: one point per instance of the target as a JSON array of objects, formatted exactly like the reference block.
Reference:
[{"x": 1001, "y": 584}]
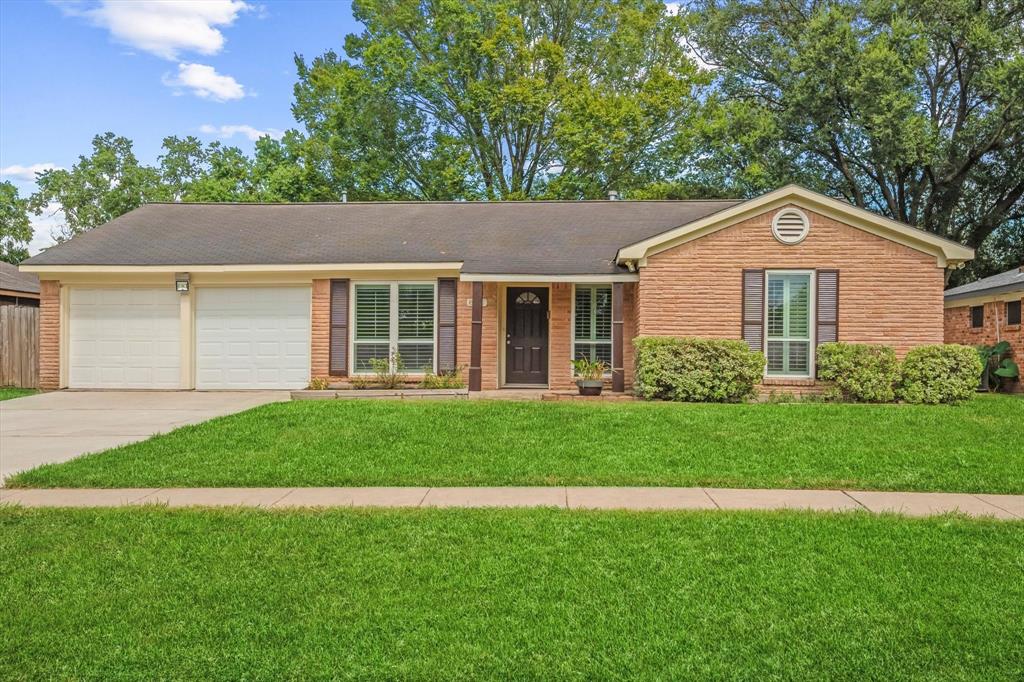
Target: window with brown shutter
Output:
[
  {"x": 446, "y": 324},
  {"x": 339, "y": 328},
  {"x": 753, "y": 309},
  {"x": 827, "y": 306}
]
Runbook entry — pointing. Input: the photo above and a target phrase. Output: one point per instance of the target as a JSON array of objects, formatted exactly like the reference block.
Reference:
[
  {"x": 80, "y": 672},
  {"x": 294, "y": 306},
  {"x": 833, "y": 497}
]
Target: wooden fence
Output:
[{"x": 19, "y": 346}]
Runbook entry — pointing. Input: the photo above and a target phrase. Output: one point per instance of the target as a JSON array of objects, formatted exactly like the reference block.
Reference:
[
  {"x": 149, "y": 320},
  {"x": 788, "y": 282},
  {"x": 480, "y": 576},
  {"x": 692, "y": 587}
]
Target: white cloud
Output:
[
  {"x": 673, "y": 8},
  {"x": 205, "y": 82},
  {"x": 44, "y": 227},
  {"x": 229, "y": 131},
  {"x": 163, "y": 27},
  {"x": 26, "y": 173}
]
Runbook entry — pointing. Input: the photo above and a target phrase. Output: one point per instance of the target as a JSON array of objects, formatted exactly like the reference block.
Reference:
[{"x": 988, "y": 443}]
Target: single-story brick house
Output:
[
  {"x": 987, "y": 312},
  {"x": 18, "y": 288},
  {"x": 230, "y": 296}
]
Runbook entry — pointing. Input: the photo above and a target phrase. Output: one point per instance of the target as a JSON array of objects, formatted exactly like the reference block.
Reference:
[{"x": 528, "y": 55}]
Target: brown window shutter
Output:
[
  {"x": 827, "y": 306},
  {"x": 753, "y": 309},
  {"x": 446, "y": 312},
  {"x": 339, "y": 328}
]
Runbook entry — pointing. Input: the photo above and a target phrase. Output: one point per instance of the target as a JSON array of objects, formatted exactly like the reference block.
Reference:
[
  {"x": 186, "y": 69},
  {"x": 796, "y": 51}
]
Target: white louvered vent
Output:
[{"x": 790, "y": 226}]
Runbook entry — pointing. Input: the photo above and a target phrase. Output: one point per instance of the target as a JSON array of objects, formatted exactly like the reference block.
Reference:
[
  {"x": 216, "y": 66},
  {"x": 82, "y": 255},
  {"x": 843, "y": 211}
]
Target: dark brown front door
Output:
[{"x": 526, "y": 336}]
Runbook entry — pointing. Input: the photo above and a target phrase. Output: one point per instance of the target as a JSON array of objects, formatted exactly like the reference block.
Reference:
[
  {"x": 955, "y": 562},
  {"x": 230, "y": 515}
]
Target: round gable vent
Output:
[{"x": 790, "y": 226}]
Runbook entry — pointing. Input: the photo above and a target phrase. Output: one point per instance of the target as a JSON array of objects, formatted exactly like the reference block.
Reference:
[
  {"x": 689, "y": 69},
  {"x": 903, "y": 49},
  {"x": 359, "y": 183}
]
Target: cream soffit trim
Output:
[
  {"x": 581, "y": 279},
  {"x": 301, "y": 267},
  {"x": 944, "y": 250},
  {"x": 999, "y": 297}
]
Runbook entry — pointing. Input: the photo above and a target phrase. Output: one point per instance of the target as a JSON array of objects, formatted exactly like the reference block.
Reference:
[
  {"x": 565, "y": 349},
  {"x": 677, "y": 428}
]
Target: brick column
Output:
[
  {"x": 320, "y": 329},
  {"x": 49, "y": 334}
]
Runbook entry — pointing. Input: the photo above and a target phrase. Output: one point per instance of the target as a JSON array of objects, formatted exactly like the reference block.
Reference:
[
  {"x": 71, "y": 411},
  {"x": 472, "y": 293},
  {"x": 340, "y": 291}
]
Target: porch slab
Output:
[
  {"x": 495, "y": 497},
  {"x": 928, "y": 504},
  {"x": 638, "y": 498},
  {"x": 819, "y": 500}
]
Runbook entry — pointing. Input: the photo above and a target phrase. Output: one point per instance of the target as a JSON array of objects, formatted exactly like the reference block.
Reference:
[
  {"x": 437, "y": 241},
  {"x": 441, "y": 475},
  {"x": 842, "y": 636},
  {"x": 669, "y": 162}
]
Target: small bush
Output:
[
  {"x": 863, "y": 372},
  {"x": 445, "y": 379},
  {"x": 319, "y": 384},
  {"x": 390, "y": 372},
  {"x": 943, "y": 373},
  {"x": 696, "y": 370}
]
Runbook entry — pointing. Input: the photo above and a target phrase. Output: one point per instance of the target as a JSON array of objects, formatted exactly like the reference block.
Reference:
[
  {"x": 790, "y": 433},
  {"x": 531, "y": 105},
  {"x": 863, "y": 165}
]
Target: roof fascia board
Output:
[
  {"x": 1010, "y": 292},
  {"x": 301, "y": 267},
  {"x": 944, "y": 250},
  {"x": 581, "y": 279}
]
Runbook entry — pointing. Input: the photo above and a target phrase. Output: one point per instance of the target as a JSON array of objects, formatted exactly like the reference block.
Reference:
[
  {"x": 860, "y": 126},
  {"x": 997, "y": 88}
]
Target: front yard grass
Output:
[
  {"x": 976, "y": 447},
  {"x": 10, "y": 392},
  {"x": 148, "y": 593}
]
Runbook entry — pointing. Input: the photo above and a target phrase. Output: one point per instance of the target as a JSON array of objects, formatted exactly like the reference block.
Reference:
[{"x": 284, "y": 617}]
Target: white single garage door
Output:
[
  {"x": 253, "y": 337},
  {"x": 124, "y": 338}
]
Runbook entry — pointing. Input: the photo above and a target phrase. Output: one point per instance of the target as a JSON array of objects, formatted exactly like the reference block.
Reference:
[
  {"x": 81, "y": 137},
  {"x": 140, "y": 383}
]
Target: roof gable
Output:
[{"x": 945, "y": 251}]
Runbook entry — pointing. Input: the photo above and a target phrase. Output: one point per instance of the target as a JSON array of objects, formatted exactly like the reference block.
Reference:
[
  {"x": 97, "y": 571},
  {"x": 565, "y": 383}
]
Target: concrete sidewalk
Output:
[{"x": 914, "y": 504}]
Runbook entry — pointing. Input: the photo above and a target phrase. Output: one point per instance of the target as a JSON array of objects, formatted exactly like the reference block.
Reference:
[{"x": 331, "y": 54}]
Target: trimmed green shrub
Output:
[
  {"x": 863, "y": 372},
  {"x": 696, "y": 370},
  {"x": 942, "y": 373}
]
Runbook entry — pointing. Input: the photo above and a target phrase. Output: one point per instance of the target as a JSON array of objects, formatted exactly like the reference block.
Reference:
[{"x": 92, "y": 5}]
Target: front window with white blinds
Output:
[
  {"x": 394, "y": 317},
  {"x": 788, "y": 323},
  {"x": 592, "y": 323}
]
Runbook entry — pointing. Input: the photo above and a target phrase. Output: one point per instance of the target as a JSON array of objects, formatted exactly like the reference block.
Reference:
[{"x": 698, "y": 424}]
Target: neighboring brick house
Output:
[
  {"x": 986, "y": 312},
  {"x": 214, "y": 296}
]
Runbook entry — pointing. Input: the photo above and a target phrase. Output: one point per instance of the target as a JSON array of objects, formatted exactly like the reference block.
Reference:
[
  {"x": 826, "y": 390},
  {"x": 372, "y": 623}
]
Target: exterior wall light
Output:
[{"x": 181, "y": 281}]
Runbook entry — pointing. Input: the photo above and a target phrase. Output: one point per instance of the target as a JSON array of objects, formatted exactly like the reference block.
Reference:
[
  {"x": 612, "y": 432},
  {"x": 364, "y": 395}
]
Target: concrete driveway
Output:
[{"x": 58, "y": 426}]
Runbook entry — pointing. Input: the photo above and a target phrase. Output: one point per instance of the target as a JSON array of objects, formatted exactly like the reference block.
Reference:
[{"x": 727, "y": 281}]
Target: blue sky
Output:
[{"x": 217, "y": 69}]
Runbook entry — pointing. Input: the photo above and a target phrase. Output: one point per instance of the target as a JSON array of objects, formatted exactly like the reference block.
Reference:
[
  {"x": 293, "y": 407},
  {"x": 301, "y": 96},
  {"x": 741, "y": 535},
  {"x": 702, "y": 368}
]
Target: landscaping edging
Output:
[{"x": 393, "y": 394}]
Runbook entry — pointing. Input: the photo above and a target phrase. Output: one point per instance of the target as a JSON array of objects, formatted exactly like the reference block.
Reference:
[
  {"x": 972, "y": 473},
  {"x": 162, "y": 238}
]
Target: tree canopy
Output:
[{"x": 15, "y": 226}]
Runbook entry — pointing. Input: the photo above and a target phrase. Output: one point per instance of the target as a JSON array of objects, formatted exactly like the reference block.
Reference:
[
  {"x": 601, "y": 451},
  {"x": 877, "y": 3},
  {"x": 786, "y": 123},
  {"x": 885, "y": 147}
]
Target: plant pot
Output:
[{"x": 590, "y": 386}]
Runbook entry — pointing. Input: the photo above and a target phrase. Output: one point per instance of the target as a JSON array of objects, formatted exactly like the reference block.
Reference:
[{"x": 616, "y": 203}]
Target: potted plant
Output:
[{"x": 590, "y": 375}]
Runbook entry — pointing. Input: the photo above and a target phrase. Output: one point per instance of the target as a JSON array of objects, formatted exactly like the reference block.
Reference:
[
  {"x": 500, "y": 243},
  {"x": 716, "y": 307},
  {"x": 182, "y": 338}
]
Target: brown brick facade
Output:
[
  {"x": 49, "y": 335},
  {"x": 957, "y": 329},
  {"x": 888, "y": 293},
  {"x": 320, "y": 329}
]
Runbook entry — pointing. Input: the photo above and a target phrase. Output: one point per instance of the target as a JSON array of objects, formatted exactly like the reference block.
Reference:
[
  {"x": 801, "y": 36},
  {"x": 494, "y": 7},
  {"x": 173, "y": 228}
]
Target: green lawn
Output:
[
  {"x": 9, "y": 392},
  {"x": 974, "y": 448},
  {"x": 150, "y": 593}
]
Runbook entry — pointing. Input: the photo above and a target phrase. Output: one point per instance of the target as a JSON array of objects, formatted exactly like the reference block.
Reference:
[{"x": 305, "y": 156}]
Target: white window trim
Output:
[
  {"x": 812, "y": 324},
  {"x": 392, "y": 322},
  {"x": 572, "y": 321}
]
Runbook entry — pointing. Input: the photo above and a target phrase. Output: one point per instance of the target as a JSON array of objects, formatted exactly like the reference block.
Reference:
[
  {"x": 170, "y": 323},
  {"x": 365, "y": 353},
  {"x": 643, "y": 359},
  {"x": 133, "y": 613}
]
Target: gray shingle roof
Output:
[
  {"x": 1011, "y": 280},
  {"x": 538, "y": 237},
  {"x": 13, "y": 279}
]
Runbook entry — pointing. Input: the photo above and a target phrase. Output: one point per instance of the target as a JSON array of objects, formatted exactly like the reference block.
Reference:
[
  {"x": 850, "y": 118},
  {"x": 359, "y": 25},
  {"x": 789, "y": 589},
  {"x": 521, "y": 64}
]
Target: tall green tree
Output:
[
  {"x": 15, "y": 226},
  {"x": 914, "y": 108},
  {"x": 99, "y": 187},
  {"x": 500, "y": 99}
]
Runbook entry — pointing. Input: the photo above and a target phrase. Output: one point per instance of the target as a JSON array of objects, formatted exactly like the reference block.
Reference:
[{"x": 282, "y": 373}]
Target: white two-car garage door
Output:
[
  {"x": 252, "y": 337},
  {"x": 124, "y": 338}
]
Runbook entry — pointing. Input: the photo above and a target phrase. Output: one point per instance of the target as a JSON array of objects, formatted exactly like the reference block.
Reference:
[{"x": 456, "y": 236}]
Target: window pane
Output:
[
  {"x": 798, "y": 305},
  {"x": 798, "y": 357},
  {"x": 776, "y": 306},
  {"x": 584, "y": 311},
  {"x": 364, "y": 352},
  {"x": 373, "y": 311},
  {"x": 417, "y": 357},
  {"x": 415, "y": 311},
  {"x": 774, "y": 354},
  {"x": 978, "y": 316},
  {"x": 1013, "y": 312},
  {"x": 594, "y": 351},
  {"x": 603, "y": 313}
]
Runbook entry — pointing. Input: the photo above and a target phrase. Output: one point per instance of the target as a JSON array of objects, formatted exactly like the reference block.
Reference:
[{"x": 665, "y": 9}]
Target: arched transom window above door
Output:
[{"x": 527, "y": 298}]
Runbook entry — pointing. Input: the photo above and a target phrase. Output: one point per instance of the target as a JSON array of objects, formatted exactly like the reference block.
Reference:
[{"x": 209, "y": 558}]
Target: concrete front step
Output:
[
  {"x": 1008, "y": 507},
  {"x": 381, "y": 393}
]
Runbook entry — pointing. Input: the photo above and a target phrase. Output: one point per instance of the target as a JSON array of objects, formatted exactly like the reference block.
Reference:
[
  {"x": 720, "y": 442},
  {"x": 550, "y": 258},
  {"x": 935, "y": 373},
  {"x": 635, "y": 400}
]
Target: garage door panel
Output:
[
  {"x": 255, "y": 337},
  {"x": 124, "y": 338}
]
